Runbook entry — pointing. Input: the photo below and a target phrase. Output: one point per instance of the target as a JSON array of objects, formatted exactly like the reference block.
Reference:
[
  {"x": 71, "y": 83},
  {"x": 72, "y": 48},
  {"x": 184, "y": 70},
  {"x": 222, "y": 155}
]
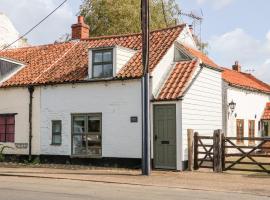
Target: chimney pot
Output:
[
  {"x": 80, "y": 30},
  {"x": 236, "y": 67},
  {"x": 80, "y": 20}
]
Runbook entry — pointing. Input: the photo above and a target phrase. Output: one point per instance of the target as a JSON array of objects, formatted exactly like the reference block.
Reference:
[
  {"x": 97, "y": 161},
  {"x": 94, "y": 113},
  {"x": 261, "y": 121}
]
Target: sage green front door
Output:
[{"x": 165, "y": 136}]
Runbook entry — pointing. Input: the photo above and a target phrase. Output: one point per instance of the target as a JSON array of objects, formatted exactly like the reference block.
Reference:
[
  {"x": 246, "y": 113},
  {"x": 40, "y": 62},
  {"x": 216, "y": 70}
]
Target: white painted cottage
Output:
[
  {"x": 246, "y": 105},
  {"x": 81, "y": 100}
]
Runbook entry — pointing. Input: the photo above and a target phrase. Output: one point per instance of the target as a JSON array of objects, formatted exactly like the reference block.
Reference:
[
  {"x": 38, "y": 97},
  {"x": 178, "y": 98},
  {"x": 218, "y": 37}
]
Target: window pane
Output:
[
  {"x": 2, "y": 120},
  {"x": 10, "y": 120},
  {"x": 56, "y": 126},
  {"x": 108, "y": 70},
  {"x": 93, "y": 124},
  {"x": 94, "y": 151},
  {"x": 2, "y": 137},
  {"x": 2, "y": 128},
  {"x": 97, "y": 57},
  {"x": 10, "y": 129},
  {"x": 79, "y": 124},
  {"x": 97, "y": 70},
  {"x": 56, "y": 139},
  {"x": 107, "y": 56},
  {"x": 9, "y": 137},
  {"x": 79, "y": 147}
]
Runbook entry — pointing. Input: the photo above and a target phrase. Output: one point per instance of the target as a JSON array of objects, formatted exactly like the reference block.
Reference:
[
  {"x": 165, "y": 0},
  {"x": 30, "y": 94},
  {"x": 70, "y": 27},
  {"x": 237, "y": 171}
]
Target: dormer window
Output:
[
  {"x": 106, "y": 62},
  {"x": 7, "y": 68},
  {"x": 102, "y": 65}
]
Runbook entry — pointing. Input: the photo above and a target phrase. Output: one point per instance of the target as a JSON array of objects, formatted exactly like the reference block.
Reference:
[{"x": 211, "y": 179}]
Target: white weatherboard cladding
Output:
[
  {"x": 202, "y": 106},
  {"x": 248, "y": 105},
  {"x": 117, "y": 101},
  {"x": 122, "y": 56},
  {"x": 16, "y": 100}
]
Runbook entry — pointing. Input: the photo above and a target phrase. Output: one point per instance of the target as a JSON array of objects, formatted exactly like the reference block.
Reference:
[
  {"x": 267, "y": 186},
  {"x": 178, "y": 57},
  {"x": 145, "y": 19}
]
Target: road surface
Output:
[{"x": 16, "y": 188}]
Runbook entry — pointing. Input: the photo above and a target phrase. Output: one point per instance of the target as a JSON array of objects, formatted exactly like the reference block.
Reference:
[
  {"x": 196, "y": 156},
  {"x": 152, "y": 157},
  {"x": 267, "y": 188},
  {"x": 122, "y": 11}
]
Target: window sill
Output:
[
  {"x": 86, "y": 156},
  {"x": 101, "y": 78}
]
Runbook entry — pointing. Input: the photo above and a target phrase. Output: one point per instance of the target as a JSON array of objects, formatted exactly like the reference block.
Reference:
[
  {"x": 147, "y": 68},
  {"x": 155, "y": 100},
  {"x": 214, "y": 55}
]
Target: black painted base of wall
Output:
[{"x": 131, "y": 163}]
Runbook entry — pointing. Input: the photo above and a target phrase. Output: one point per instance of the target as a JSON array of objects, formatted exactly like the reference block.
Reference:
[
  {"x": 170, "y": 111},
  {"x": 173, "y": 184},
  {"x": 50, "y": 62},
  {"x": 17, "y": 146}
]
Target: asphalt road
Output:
[{"x": 17, "y": 188}]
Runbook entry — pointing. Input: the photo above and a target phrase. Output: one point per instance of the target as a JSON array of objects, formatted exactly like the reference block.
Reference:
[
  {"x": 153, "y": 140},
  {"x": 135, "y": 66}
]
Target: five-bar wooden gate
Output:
[{"x": 231, "y": 153}]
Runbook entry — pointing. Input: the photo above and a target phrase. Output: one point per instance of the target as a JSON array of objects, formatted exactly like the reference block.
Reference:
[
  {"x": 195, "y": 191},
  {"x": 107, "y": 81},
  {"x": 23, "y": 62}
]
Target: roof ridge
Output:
[
  {"x": 132, "y": 34},
  {"x": 250, "y": 76},
  {"x": 37, "y": 46}
]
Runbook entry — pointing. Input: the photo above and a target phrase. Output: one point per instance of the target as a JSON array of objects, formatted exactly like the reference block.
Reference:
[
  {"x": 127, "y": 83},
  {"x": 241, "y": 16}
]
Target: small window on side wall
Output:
[
  {"x": 7, "y": 128},
  {"x": 56, "y": 132},
  {"x": 102, "y": 63}
]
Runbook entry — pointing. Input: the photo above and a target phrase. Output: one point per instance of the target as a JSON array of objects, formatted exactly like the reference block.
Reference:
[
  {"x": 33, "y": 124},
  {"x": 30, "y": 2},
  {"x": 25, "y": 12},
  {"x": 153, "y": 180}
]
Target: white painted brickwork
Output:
[{"x": 117, "y": 101}]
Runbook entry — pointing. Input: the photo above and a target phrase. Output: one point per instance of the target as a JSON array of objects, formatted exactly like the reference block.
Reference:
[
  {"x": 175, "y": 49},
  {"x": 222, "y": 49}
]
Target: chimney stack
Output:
[
  {"x": 80, "y": 30},
  {"x": 236, "y": 67}
]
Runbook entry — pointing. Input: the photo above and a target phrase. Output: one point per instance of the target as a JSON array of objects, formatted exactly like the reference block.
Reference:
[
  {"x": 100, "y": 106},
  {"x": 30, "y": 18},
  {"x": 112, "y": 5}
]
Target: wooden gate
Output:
[
  {"x": 231, "y": 153},
  {"x": 203, "y": 152},
  {"x": 246, "y": 154}
]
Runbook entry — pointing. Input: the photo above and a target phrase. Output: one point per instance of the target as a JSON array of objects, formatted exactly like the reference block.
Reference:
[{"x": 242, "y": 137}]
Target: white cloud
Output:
[
  {"x": 252, "y": 54},
  {"x": 217, "y": 4},
  {"x": 26, "y": 13}
]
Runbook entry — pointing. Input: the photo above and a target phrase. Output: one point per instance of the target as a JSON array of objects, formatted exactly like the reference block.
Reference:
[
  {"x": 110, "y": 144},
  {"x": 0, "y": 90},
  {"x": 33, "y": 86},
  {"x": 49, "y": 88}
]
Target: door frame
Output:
[{"x": 153, "y": 136}]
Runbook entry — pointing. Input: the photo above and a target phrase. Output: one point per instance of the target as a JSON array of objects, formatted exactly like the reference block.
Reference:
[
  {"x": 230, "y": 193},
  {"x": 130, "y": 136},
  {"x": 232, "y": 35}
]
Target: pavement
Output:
[
  {"x": 17, "y": 188},
  {"x": 197, "y": 183}
]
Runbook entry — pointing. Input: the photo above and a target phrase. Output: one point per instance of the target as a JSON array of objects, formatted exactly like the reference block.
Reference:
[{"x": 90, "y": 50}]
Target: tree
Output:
[{"x": 108, "y": 17}]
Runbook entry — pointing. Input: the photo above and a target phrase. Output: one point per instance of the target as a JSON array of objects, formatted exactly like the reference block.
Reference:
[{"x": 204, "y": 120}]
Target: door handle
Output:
[{"x": 155, "y": 137}]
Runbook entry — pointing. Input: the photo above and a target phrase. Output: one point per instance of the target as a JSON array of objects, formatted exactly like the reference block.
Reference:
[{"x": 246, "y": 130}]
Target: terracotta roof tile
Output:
[
  {"x": 266, "y": 114},
  {"x": 177, "y": 81},
  {"x": 233, "y": 77},
  {"x": 244, "y": 80},
  {"x": 68, "y": 62}
]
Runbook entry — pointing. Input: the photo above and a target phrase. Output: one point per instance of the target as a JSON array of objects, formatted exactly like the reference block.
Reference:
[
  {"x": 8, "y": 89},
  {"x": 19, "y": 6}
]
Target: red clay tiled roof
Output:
[
  {"x": 68, "y": 62},
  {"x": 198, "y": 54},
  {"x": 266, "y": 114},
  {"x": 177, "y": 81},
  {"x": 244, "y": 80}
]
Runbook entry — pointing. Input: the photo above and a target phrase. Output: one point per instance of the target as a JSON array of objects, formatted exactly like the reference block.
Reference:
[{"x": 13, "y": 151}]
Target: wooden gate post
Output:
[
  {"x": 195, "y": 164},
  {"x": 190, "y": 135},
  {"x": 217, "y": 151}
]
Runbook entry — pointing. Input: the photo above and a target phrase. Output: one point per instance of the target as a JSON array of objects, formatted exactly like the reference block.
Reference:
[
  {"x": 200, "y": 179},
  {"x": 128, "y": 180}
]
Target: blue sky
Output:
[{"x": 234, "y": 29}]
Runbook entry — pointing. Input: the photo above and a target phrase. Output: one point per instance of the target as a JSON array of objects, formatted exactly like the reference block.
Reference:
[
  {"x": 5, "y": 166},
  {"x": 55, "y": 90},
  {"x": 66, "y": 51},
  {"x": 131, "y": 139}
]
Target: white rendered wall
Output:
[
  {"x": 248, "y": 105},
  {"x": 16, "y": 100},
  {"x": 117, "y": 101},
  {"x": 202, "y": 106},
  {"x": 161, "y": 71},
  {"x": 186, "y": 38}
]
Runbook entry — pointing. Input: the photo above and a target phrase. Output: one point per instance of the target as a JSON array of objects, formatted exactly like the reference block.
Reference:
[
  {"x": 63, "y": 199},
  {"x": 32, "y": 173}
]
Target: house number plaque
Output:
[{"x": 21, "y": 145}]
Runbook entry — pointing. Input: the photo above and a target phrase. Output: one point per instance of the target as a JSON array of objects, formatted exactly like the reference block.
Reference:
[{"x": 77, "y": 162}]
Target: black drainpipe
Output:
[{"x": 31, "y": 90}]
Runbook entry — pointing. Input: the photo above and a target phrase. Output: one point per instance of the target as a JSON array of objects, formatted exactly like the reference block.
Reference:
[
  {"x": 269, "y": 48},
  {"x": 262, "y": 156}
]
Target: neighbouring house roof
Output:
[
  {"x": 244, "y": 80},
  {"x": 178, "y": 80},
  {"x": 233, "y": 77},
  {"x": 266, "y": 114},
  {"x": 68, "y": 62}
]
